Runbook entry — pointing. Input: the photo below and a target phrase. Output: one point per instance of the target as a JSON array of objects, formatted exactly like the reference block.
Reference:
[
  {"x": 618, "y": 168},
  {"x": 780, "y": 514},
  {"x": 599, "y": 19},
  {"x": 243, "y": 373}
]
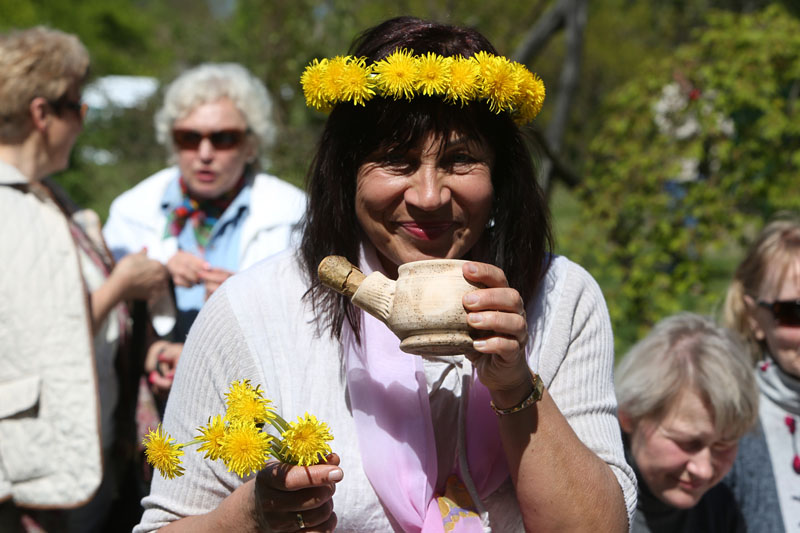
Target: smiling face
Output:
[
  {"x": 783, "y": 342},
  {"x": 211, "y": 171},
  {"x": 425, "y": 203},
  {"x": 681, "y": 455}
]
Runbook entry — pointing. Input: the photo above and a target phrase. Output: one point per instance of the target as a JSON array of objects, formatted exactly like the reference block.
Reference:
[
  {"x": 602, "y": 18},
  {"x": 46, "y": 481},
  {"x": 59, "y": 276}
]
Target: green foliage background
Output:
[
  {"x": 656, "y": 245},
  {"x": 668, "y": 234}
]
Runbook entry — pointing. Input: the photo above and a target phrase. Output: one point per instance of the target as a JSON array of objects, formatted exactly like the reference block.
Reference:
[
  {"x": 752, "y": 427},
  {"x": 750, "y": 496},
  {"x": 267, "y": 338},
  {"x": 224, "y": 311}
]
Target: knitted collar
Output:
[{"x": 779, "y": 386}]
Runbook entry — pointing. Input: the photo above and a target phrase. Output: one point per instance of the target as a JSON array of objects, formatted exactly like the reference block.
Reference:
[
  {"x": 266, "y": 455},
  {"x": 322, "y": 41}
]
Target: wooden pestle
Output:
[{"x": 340, "y": 275}]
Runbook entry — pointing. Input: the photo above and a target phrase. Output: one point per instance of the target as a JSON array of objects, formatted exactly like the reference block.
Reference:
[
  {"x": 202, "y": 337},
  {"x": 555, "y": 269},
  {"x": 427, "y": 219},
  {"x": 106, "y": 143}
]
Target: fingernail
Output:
[
  {"x": 475, "y": 318},
  {"x": 479, "y": 344},
  {"x": 471, "y": 298},
  {"x": 152, "y": 376},
  {"x": 471, "y": 268},
  {"x": 335, "y": 475}
]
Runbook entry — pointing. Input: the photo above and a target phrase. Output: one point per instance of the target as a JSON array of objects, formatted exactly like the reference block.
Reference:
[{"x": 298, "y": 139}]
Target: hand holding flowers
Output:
[
  {"x": 238, "y": 438},
  {"x": 290, "y": 494}
]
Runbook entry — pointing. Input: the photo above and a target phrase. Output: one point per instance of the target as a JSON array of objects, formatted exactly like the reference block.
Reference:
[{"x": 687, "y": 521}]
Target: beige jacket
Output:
[{"x": 50, "y": 453}]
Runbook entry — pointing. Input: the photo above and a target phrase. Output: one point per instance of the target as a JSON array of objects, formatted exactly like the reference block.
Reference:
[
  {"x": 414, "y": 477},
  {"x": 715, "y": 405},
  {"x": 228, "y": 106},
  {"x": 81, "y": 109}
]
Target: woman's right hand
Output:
[
  {"x": 185, "y": 268},
  {"x": 140, "y": 277},
  {"x": 287, "y": 497}
]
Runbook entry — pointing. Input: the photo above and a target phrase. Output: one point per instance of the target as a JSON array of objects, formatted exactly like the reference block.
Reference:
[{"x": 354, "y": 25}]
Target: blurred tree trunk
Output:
[{"x": 569, "y": 15}]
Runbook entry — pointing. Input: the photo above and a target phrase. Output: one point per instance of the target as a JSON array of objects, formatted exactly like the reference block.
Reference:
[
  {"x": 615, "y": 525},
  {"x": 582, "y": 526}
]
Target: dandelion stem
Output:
[
  {"x": 276, "y": 452},
  {"x": 279, "y": 423}
]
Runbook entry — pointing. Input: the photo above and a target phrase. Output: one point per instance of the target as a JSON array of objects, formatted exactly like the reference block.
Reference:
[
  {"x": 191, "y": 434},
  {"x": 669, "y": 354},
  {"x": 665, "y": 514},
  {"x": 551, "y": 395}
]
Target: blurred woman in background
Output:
[
  {"x": 214, "y": 212},
  {"x": 763, "y": 304},
  {"x": 686, "y": 396},
  {"x": 66, "y": 380}
]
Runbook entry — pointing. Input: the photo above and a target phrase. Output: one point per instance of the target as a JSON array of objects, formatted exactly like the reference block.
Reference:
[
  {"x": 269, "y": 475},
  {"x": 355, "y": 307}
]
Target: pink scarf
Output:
[{"x": 389, "y": 397}]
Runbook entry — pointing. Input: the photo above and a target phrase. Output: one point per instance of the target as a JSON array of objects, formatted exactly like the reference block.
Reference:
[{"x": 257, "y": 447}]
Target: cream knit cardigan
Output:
[{"x": 257, "y": 327}]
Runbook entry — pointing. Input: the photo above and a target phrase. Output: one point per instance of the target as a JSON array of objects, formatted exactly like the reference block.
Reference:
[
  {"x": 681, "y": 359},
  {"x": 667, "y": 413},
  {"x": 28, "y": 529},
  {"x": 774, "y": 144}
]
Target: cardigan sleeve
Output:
[
  {"x": 576, "y": 362},
  {"x": 215, "y": 354}
]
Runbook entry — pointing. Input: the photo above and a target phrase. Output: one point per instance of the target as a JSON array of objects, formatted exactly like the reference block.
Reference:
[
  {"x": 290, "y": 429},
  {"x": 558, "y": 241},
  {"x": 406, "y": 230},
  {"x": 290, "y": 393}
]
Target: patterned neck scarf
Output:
[{"x": 202, "y": 212}]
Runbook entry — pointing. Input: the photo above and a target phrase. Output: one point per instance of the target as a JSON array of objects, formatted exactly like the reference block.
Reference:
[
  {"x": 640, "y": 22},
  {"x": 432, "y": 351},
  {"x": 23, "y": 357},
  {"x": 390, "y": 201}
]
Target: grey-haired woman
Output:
[
  {"x": 214, "y": 212},
  {"x": 686, "y": 396}
]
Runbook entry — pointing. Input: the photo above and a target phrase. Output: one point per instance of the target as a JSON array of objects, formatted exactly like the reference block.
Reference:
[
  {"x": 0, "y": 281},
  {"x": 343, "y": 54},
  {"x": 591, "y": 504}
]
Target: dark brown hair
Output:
[{"x": 518, "y": 239}]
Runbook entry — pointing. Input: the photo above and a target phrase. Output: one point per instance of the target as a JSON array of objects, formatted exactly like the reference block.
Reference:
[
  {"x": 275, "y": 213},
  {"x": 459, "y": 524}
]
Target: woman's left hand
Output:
[
  {"x": 498, "y": 314},
  {"x": 212, "y": 278}
]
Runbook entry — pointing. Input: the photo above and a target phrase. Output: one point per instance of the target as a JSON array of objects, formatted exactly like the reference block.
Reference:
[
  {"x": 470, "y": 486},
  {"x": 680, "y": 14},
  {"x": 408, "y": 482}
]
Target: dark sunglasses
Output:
[
  {"x": 220, "y": 140},
  {"x": 79, "y": 108},
  {"x": 786, "y": 313}
]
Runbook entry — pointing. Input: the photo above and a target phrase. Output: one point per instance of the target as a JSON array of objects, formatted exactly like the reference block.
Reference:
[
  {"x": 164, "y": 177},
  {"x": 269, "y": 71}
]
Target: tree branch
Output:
[
  {"x": 541, "y": 32},
  {"x": 575, "y": 12},
  {"x": 557, "y": 166}
]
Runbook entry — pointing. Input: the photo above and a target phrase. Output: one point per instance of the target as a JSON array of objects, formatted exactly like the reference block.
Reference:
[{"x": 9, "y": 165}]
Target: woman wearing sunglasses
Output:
[
  {"x": 213, "y": 212},
  {"x": 67, "y": 370},
  {"x": 763, "y": 304}
]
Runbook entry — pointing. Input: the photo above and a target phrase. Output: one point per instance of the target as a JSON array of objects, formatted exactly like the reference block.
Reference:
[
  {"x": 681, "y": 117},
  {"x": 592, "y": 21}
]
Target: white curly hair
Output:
[{"x": 210, "y": 82}]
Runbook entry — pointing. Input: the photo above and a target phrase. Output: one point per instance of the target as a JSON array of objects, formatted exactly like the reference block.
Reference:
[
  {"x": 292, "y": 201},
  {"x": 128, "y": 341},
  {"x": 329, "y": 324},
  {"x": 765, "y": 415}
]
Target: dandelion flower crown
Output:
[{"x": 505, "y": 85}]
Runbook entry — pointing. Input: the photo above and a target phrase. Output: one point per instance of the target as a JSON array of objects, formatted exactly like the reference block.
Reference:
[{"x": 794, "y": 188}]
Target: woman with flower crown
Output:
[{"x": 420, "y": 158}]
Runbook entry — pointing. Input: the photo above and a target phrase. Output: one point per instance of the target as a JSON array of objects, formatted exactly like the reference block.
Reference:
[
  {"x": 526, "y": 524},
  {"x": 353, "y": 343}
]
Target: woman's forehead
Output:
[{"x": 782, "y": 280}]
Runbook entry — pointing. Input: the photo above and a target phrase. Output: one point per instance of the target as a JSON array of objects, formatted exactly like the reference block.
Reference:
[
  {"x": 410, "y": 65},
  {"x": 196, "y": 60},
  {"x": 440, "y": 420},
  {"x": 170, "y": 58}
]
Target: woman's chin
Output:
[{"x": 680, "y": 499}]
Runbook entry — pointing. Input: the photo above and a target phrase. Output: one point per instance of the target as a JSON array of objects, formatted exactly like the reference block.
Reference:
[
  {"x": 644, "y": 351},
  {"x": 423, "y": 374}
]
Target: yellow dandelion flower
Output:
[
  {"x": 163, "y": 453},
  {"x": 211, "y": 436},
  {"x": 332, "y": 79},
  {"x": 245, "y": 448},
  {"x": 242, "y": 389},
  {"x": 464, "y": 77},
  {"x": 483, "y": 59},
  {"x": 247, "y": 403},
  {"x": 355, "y": 83},
  {"x": 306, "y": 441},
  {"x": 312, "y": 80},
  {"x": 531, "y": 95},
  {"x": 396, "y": 74},
  {"x": 500, "y": 82},
  {"x": 433, "y": 74}
]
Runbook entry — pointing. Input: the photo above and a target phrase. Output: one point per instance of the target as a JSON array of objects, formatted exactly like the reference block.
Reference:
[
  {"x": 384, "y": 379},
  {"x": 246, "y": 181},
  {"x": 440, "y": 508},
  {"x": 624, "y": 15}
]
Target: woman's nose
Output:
[
  {"x": 427, "y": 190},
  {"x": 701, "y": 465},
  {"x": 206, "y": 150}
]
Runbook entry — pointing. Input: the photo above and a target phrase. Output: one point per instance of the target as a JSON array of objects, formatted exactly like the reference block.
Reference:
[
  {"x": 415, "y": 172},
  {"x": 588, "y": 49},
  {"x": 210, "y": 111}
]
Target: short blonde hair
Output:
[
  {"x": 37, "y": 62},
  {"x": 210, "y": 82},
  {"x": 689, "y": 352},
  {"x": 777, "y": 245}
]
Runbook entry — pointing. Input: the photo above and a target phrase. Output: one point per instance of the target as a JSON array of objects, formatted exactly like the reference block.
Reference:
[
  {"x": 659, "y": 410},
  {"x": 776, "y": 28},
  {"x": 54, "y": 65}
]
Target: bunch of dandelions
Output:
[{"x": 239, "y": 440}]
